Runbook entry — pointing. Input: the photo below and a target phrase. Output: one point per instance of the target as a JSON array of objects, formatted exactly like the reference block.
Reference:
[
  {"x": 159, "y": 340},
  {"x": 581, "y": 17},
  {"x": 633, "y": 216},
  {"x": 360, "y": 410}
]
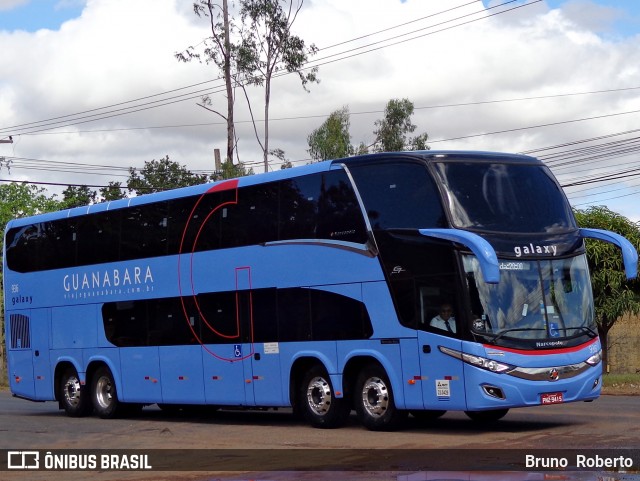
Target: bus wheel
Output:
[
  {"x": 487, "y": 416},
  {"x": 74, "y": 397},
  {"x": 105, "y": 397},
  {"x": 374, "y": 400},
  {"x": 318, "y": 401}
]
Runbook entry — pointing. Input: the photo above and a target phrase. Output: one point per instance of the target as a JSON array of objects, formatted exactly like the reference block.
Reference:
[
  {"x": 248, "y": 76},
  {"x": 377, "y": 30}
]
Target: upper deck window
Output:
[
  {"x": 399, "y": 195},
  {"x": 500, "y": 197}
]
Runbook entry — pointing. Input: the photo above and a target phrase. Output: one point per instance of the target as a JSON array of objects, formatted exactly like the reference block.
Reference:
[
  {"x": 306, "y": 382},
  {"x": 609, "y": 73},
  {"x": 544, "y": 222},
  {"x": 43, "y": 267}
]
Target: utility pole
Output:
[
  {"x": 216, "y": 156},
  {"x": 7, "y": 141}
]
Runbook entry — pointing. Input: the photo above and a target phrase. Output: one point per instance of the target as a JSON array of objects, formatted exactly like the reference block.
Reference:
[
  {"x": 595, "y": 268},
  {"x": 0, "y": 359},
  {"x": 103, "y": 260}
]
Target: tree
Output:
[
  {"x": 76, "y": 196},
  {"x": 22, "y": 200},
  {"x": 160, "y": 175},
  {"x": 267, "y": 48},
  {"x": 613, "y": 295},
  {"x": 220, "y": 51},
  {"x": 113, "y": 191},
  {"x": 332, "y": 139},
  {"x": 230, "y": 171},
  {"x": 391, "y": 132},
  {"x": 251, "y": 54}
]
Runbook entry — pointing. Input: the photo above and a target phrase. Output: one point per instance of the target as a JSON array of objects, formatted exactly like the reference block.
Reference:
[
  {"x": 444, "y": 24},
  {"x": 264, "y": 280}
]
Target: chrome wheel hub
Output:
[
  {"x": 319, "y": 396},
  {"x": 375, "y": 397}
]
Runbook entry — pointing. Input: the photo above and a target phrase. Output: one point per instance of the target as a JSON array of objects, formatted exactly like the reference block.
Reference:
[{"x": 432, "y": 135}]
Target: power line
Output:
[
  {"x": 367, "y": 112},
  {"x": 79, "y": 118}
]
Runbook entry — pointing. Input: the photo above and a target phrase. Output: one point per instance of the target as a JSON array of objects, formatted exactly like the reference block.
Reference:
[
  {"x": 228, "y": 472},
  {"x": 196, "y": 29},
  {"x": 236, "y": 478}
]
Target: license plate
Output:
[{"x": 551, "y": 398}]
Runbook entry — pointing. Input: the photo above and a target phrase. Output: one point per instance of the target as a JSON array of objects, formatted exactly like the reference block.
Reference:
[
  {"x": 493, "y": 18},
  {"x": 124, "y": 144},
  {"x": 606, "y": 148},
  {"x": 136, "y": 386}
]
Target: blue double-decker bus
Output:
[{"x": 415, "y": 282}]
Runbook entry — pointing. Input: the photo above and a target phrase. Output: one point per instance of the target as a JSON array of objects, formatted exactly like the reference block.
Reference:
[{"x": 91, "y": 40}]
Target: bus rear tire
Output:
[
  {"x": 104, "y": 394},
  {"x": 74, "y": 397},
  {"x": 374, "y": 400},
  {"x": 318, "y": 402},
  {"x": 487, "y": 416}
]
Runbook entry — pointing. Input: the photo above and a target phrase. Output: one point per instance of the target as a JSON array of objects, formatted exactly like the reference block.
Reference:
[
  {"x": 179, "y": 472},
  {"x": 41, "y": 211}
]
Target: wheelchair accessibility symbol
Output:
[{"x": 237, "y": 350}]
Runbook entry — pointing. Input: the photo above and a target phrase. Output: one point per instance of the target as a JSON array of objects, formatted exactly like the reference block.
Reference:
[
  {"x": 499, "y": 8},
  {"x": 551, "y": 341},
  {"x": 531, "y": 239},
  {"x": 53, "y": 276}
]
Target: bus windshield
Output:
[
  {"x": 536, "y": 303},
  {"x": 500, "y": 197}
]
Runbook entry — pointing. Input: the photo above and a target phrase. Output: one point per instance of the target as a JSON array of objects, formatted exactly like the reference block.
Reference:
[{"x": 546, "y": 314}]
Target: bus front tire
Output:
[
  {"x": 374, "y": 400},
  {"x": 318, "y": 402},
  {"x": 487, "y": 416},
  {"x": 104, "y": 394},
  {"x": 74, "y": 397}
]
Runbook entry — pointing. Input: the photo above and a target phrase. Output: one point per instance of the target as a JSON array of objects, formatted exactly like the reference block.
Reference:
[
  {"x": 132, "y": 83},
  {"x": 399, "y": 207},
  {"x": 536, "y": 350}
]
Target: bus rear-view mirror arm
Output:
[
  {"x": 481, "y": 248},
  {"x": 629, "y": 253}
]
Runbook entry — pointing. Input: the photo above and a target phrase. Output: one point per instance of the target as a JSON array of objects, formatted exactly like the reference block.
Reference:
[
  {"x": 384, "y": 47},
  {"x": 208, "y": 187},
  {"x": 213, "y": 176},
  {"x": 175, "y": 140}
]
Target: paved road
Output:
[{"x": 610, "y": 422}]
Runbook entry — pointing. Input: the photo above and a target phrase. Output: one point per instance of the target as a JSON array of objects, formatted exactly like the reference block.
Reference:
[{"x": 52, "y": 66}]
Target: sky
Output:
[{"x": 89, "y": 88}]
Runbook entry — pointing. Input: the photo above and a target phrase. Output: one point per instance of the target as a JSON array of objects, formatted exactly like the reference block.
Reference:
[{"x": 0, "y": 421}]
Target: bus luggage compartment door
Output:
[{"x": 442, "y": 375}]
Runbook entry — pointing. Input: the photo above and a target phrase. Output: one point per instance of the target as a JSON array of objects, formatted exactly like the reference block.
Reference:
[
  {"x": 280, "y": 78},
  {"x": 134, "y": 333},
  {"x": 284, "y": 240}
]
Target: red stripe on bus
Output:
[
  {"x": 542, "y": 352},
  {"x": 222, "y": 186}
]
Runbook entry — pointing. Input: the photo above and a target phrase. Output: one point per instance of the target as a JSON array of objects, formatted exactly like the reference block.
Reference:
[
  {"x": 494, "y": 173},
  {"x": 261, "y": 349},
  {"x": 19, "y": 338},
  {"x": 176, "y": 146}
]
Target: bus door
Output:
[
  {"x": 42, "y": 372},
  {"x": 442, "y": 375},
  {"x": 20, "y": 354},
  {"x": 261, "y": 360}
]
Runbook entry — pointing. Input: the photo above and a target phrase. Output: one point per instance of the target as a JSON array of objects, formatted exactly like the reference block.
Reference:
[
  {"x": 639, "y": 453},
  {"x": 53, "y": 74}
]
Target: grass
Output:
[{"x": 621, "y": 384}]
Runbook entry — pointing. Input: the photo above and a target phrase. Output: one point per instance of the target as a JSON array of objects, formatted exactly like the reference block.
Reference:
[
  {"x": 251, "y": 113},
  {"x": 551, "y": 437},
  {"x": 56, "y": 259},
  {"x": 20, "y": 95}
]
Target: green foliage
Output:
[
  {"x": 268, "y": 47},
  {"x": 249, "y": 50},
  {"x": 78, "y": 196},
  {"x": 113, "y": 191},
  {"x": 613, "y": 295},
  {"x": 230, "y": 171},
  {"x": 22, "y": 200},
  {"x": 391, "y": 132},
  {"x": 332, "y": 139},
  {"x": 160, "y": 175}
]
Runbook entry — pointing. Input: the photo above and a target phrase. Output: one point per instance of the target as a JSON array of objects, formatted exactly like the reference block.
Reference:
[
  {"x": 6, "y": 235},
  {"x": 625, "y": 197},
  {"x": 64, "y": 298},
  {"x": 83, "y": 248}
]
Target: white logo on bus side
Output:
[{"x": 107, "y": 279}]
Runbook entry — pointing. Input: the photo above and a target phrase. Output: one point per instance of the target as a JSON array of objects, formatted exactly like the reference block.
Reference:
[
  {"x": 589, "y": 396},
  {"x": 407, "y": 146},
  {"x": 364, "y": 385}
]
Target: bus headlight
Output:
[
  {"x": 595, "y": 359},
  {"x": 478, "y": 361}
]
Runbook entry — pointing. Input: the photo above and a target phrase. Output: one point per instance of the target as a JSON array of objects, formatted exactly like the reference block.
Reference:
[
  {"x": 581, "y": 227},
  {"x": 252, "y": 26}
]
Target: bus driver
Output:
[{"x": 445, "y": 320}]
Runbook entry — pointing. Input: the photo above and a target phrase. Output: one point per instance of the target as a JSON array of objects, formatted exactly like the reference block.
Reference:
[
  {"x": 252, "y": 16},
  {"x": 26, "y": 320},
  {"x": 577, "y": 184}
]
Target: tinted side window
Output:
[
  {"x": 294, "y": 314},
  {"x": 339, "y": 214},
  {"x": 218, "y": 317},
  {"x": 253, "y": 220},
  {"x": 337, "y": 317},
  {"x": 298, "y": 207},
  {"x": 98, "y": 238},
  {"x": 22, "y": 246},
  {"x": 125, "y": 323},
  {"x": 399, "y": 195},
  {"x": 320, "y": 206},
  {"x": 144, "y": 231},
  {"x": 59, "y": 244}
]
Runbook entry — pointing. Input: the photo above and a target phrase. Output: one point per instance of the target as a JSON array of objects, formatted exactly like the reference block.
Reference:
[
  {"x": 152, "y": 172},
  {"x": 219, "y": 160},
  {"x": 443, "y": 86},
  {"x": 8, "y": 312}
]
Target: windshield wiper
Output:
[
  {"x": 584, "y": 329},
  {"x": 518, "y": 329}
]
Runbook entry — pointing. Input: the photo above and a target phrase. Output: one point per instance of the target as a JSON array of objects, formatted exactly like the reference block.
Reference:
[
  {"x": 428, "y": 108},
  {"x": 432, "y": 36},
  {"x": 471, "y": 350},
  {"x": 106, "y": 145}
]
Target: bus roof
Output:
[{"x": 427, "y": 155}]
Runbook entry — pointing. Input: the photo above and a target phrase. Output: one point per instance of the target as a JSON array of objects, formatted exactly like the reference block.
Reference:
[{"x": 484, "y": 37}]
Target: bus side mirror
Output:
[{"x": 629, "y": 253}]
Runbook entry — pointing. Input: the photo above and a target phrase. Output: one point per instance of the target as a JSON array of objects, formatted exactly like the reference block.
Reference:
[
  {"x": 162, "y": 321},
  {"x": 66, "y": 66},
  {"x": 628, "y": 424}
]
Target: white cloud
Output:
[
  {"x": 119, "y": 50},
  {"x": 11, "y": 4}
]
